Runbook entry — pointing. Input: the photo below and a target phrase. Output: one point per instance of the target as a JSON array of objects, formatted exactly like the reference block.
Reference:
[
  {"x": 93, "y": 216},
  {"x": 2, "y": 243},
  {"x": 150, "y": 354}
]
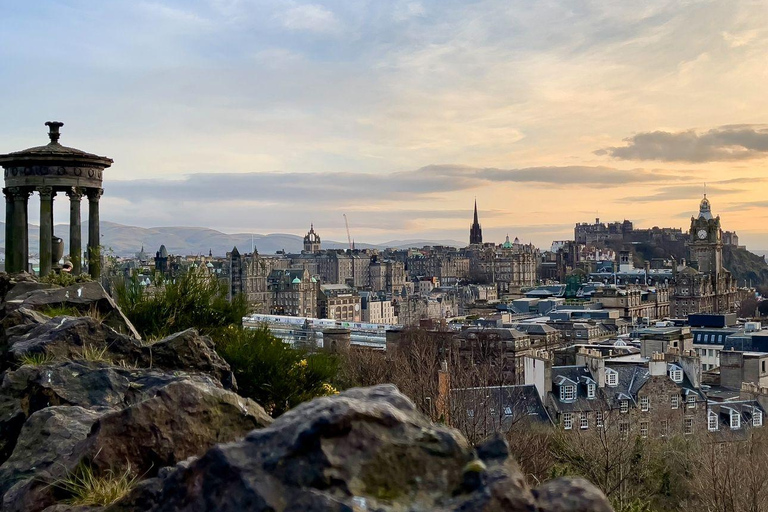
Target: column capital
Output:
[
  {"x": 94, "y": 194},
  {"x": 20, "y": 193},
  {"x": 75, "y": 193},
  {"x": 46, "y": 193}
]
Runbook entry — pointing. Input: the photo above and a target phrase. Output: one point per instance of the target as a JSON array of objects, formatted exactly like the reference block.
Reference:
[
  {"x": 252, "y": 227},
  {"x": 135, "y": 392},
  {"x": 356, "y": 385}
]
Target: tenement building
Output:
[{"x": 705, "y": 286}]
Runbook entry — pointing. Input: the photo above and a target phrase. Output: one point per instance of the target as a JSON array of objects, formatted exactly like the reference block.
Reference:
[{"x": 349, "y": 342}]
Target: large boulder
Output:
[
  {"x": 109, "y": 418},
  {"x": 67, "y": 337},
  {"x": 46, "y": 452},
  {"x": 87, "y": 298},
  {"x": 364, "y": 449},
  {"x": 183, "y": 419}
]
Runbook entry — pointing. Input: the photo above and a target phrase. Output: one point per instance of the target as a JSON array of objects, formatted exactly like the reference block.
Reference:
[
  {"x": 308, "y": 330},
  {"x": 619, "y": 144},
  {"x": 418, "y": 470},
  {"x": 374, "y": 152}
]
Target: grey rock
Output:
[
  {"x": 85, "y": 297},
  {"x": 45, "y": 452},
  {"x": 183, "y": 419},
  {"x": 571, "y": 495},
  {"x": 66, "y": 337}
]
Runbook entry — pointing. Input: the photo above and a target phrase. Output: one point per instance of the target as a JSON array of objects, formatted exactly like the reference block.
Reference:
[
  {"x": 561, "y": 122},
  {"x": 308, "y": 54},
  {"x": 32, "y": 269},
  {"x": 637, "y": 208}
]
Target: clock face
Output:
[{"x": 702, "y": 234}]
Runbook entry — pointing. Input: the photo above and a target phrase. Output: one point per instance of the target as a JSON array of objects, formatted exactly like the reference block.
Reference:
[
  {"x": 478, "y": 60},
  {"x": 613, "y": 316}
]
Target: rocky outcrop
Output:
[
  {"x": 365, "y": 449},
  {"x": 83, "y": 337},
  {"x": 86, "y": 298}
]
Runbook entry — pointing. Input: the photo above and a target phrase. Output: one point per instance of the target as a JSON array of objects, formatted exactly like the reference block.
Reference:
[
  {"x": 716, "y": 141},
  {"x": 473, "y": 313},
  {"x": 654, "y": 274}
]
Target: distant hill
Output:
[{"x": 127, "y": 240}]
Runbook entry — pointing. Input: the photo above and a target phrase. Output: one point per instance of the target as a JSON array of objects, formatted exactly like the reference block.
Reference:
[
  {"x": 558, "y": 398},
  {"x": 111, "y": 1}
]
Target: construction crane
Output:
[{"x": 349, "y": 238}]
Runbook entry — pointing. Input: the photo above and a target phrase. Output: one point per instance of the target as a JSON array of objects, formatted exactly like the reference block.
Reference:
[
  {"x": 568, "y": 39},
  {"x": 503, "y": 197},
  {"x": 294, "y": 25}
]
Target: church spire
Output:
[{"x": 475, "y": 232}]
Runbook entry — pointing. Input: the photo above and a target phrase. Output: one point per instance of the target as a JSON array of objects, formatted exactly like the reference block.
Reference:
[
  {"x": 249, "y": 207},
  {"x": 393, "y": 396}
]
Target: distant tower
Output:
[
  {"x": 706, "y": 245},
  {"x": 311, "y": 240},
  {"x": 475, "y": 232},
  {"x": 161, "y": 260}
]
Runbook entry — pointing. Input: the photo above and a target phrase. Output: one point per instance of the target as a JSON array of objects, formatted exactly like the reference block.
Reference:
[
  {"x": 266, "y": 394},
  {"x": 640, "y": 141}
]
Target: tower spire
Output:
[{"x": 475, "y": 232}]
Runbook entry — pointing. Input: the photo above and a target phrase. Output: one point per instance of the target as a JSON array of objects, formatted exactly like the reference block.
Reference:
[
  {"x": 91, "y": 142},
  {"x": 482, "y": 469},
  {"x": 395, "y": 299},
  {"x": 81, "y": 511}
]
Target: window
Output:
[
  {"x": 691, "y": 401},
  {"x": 583, "y": 420},
  {"x": 471, "y": 413},
  {"x": 612, "y": 378},
  {"x": 599, "y": 418},
  {"x": 591, "y": 390},
  {"x": 643, "y": 429},
  {"x": 624, "y": 429},
  {"x": 567, "y": 393},
  {"x": 664, "y": 428},
  {"x": 688, "y": 426},
  {"x": 624, "y": 405},
  {"x": 507, "y": 411},
  {"x": 719, "y": 338},
  {"x": 706, "y": 338},
  {"x": 735, "y": 420},
  {"x": 763, "y": 364},
  {"x": 757, "y": 417},
  {"x": 712, "y": 421},
  {"x": 645, "y": 403},
  {"x": 567, "y": 420}
]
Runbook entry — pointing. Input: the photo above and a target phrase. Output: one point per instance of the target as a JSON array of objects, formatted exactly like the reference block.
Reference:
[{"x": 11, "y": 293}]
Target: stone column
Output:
[
  {"x": 46, "y": 229},
  {"x": 94, "y": 251},
  {"x": 75, "y": 230},
  {"x": 19, "y": 232},
  {"x": 9, "y": 265}
]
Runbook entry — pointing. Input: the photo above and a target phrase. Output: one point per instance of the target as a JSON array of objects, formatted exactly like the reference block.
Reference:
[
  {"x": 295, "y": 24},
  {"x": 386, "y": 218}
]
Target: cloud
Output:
[
  {"x": 725, "y": 143},
  {"x": 310, "y": 18},
  {"x": 348, "y": 187},
  {"x": 675, "y": 193}
]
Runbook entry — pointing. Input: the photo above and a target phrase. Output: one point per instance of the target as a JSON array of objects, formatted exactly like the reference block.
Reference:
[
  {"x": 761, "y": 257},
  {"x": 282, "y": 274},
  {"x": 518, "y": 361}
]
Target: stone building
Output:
[
  {"x": 708, "y": 288},
  {"x": 378, "y": 309},
  {"x": 248, "y": 274},
  {"x": 339, "y": 302},
  {"x": 49, "y": 170},
  {"x": 660, "y": 399},
  {"x": 386, "y": 275},
  {"x": 293, "y": 293}
]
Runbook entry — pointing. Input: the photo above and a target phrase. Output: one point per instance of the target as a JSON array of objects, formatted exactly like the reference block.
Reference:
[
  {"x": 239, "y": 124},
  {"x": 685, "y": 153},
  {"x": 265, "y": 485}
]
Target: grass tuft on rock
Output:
[
  {"x": 86, "y": 488},
  {"x": 94, "y": 354},
  {"x": 36, "y": 359}
]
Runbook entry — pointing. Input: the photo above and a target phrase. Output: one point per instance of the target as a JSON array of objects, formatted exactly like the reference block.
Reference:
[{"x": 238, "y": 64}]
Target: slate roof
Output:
[{"x": 505, "y": 403}]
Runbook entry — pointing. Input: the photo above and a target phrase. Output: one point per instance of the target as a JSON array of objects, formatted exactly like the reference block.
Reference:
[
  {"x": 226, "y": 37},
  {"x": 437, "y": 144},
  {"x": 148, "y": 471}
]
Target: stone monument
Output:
[{"x": 48, "y": 170}]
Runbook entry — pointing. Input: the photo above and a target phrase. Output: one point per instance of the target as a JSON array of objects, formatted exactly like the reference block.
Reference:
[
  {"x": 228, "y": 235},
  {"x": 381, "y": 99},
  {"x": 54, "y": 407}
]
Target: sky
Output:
[{"x": 265, "y": 116}]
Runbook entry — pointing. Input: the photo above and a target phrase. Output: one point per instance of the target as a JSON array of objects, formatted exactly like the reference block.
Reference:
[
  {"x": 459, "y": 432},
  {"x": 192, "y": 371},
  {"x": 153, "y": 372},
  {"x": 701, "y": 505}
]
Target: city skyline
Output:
[{"x": 278, "y": 114}]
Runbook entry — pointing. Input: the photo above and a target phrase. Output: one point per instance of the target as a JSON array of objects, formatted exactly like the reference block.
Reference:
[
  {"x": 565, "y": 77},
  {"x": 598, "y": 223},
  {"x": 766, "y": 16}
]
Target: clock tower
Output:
[{"x": 706, "y": 245}]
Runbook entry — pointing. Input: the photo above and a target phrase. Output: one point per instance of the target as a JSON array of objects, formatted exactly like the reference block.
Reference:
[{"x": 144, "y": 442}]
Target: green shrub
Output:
[
  {"x": 188, "y": 301},
  {"x": 65, "y": 279},
  {"x": 54, "y": 311},
  {"x": 273, "y": 373}
]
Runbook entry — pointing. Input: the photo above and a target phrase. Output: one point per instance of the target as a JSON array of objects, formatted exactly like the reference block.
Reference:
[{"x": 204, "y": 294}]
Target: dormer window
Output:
[
  {"x": 712, "y": 421},
  {"x": 676, "y": 374},
  {"x": 757, "y": 417},
  {"x": 611, "y": 377},
  {"x": 590, "y": 390},
  {"x": 567, "y": 393},
  {"x": 735, "y": 420}
]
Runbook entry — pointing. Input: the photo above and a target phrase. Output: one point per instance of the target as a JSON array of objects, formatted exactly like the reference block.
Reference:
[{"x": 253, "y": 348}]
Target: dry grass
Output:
[
  {"x": 94, "y": 354},
  {"x": 86, "y": 488}
]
